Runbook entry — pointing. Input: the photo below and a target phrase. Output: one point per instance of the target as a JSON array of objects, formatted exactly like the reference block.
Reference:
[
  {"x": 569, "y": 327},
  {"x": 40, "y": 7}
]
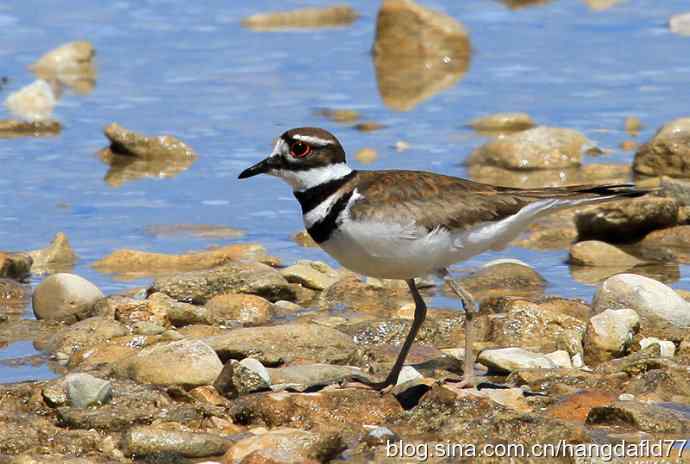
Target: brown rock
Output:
[
  {"x": 303, "y": 238},
  {"x": 502, "y": 279},
  {"x": 633, "y": 125},
  {"x": 65, "y": 297},
  {"x": 156, "y": 441},
  {"x": 503, "y": 122},
  {"x": 127, "y": 168},
  {"x": 538, "y": 148},
  {"x": 339, "y": 115},
  {"x": 595, "y": 253},
  {"x": 15, "y": 265},
  {"x": 337, "y": 15},
  {"x": 83, "y": 335},
  {"x": 197, "y": 230},
  {"x": 285, "y": 343},
  {"x": 644, "y": 417},
  {"x": 369, "y": 126},
  {"x": 247, "y": 309},
  {"x": 676, "y": 236},
  {"x": 134, "y": 264},
  {"x": 13, "y": 297},
  {"x": 284, "y": 446},
  {"x": 629, "y": 145},
  {"x": 200, "y": 286},
  {"x": 10, "y": 128},
  {"x": 548, "y": 238},
  {"x": 626, "y": 219},
  {"x": 417, "y": 53},
  {"x": 126, "y": 142},
  {"x": 576, "y": 407},
  {"x": 366, "y": 155},
  {"x": 668, "y": 152},
  {"x": 351, "y": 292},
  {"x": 72, "y": 57}
]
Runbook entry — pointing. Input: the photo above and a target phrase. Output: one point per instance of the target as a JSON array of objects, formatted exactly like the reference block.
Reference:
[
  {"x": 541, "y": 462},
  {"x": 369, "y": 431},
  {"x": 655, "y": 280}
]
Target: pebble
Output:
[
  {"x": 34, "y": 102},
  {"x": 185, "y": 362},
  {"x": 680, "y": 24},
  {"x": 609, "y": 334},
  {"x": 84, "y": 390},
  {"x": 666, "y": 347},
  {"x": 645, "y": 296},
  {"x": 65, "y": 297},
  {"x": 510, "y": 359},
  {"x": 666, "y": 153},
  {"x": 538, "y": 148},
  {"x": 312, "y": 274},
  {"x": 596, "y": 253},
  {"x": 336, "y": 15}
]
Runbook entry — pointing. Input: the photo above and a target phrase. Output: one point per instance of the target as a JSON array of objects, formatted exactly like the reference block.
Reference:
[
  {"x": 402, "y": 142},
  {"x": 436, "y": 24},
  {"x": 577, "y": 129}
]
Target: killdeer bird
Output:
[{"x": 407, "y": 224}]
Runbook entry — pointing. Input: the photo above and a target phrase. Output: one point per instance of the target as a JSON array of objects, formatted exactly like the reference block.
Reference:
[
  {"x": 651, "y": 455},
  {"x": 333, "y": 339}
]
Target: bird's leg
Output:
[
  {"x": 419, "y": 316},
  {"x": 470, "y": 307}
]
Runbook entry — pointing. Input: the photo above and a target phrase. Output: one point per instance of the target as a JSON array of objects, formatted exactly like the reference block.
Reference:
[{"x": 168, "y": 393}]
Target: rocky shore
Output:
[{"x": 229, "y": 355}]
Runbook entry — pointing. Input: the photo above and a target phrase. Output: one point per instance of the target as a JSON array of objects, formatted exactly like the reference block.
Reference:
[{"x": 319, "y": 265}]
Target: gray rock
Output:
[
  {"x": 537, "y": 148},
  {"x": 156, "y": 441},
  {"x": 84, "y": 390},
  {"x": 147, "y": 328},
  {"x": 609, "y": 334},
  {"x": 184, "y": 362},
  {"x": 408, "y": 373},
  {"x": 200, "y": 286},
  {"x": 302, "y": 376},
  {"x": 237, "y": 379},
  {"x": 666, "y": 347},
  {"x": 65, "y": 297},
  {"x": 646, "y": 296},
  {"x": 54, "y": 393},
  {"x": 284, "y": 343},
  {"x": 510, "y": 359}
]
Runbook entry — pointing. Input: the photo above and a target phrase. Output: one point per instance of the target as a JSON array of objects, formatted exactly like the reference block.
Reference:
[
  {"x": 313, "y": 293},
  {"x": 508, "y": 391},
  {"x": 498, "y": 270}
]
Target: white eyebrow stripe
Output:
[{"x": 312, "y": 140}]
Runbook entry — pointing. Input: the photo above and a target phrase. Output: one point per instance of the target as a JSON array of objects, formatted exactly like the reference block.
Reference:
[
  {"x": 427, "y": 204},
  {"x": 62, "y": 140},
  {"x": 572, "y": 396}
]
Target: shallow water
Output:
[{"x": 190, "y": 70}]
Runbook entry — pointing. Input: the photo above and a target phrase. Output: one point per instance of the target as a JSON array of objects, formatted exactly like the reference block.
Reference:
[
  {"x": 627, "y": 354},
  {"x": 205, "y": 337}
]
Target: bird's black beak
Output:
[{"x": 259, "y": 168}]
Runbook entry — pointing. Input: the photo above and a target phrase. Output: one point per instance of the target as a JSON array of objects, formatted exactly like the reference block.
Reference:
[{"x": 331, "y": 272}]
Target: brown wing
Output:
[{"x": 434, "y": 200}]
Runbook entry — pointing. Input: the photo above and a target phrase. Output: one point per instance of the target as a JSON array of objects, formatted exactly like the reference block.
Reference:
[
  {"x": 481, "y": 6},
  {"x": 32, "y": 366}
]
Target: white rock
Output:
[
  {"x": 610, "y": 333},
  {"x": 680, "y": 24},
  {"x": 510, "y": 359},
  {"x": 408, "y": 373},
  {"x": 577, "y": 361},
  {"x": 667, "y": 347},
  {"x": 560, "y": 358},
  {"x": 255, "y": 366},
  {"x": 626, "y": 397},
  {"x": 646, "y": 296},
  {"x": 35, "y": 102}
]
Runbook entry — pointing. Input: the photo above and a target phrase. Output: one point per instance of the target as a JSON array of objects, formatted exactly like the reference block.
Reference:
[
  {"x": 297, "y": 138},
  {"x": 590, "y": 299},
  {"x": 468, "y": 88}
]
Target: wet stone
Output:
[
  {"x": 502, "y": 278},
  {"x": 82, "y": 335},
  {"x": 13, "y": 297},
  {"x": 667, "y": 153},
  {"x": 10, "y": 128},
  {"x": 56, "y": 257},
  {"x": 15, "y": 265},
  {"x": 311, "y": 274},
  {"x": 200, "y": 286},
  {"x": 503, "y": 122},
  {"x": 126, "y": 142},
  {"x": 538, "y": 148},
  {"x": 609, "y": 334},
  {"x": 84, "y": 390},
  {"x": 596, "y": 253},
  {"x": 227, "y": 308},
  {"x": 645, "y": 417},
  {"x": 240, "y": 378}
]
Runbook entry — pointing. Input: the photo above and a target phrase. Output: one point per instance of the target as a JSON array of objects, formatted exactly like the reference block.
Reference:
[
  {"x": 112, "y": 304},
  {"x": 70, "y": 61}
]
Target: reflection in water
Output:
[
  {"x": 126, "y": 168},
  {"x": 417, "y": 53}
]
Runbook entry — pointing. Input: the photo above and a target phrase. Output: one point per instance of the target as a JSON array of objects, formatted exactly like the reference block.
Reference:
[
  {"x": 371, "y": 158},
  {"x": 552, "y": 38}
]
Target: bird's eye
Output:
[{"x": 300, "y": 149}]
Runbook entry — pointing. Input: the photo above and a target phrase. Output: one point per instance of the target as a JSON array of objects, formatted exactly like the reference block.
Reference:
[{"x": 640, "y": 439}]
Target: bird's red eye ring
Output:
[{"x": 299, "y": 149}]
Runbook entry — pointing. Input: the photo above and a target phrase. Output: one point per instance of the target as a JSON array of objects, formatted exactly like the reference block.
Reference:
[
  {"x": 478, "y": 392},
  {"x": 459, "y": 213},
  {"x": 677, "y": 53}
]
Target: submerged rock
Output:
[
  {"x": 59, "y": 255},
  {"x": 609, "y": 334},
  {"x": 134, "y": 264},
  {"x": 538, "y": 148},
  {"x": 184, "y": 362},
  {"x": 626, "y": 219},
  {"x": 35, "y": 102},
  {"x": 200, "y": 286},
  {"x": 10, "y": 128},
  {"x": 336, "y": 15},
  {"x": 418, "y": 52},
  {"x": 667, "y": 153},
  {"x": 13, "y": 297},
  {"x": 503, "y": 122},
  {"x": 65, "y": 297},
  {"x": 339, "y": 115},
  {"x": 647, "y": 297},
  {"x": 284, "y": 343}
]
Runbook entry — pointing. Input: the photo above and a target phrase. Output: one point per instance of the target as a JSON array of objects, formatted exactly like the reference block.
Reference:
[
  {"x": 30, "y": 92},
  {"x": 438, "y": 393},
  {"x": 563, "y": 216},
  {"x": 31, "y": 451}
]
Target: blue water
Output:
[{"x": 189, "y": 69}]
